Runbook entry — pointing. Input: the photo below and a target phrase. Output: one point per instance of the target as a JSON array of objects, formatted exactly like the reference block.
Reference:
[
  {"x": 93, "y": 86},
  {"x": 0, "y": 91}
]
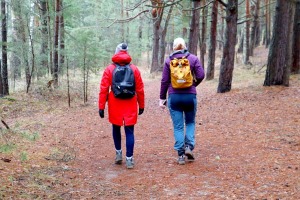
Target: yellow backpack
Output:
[{"x": 181, "y": 75}]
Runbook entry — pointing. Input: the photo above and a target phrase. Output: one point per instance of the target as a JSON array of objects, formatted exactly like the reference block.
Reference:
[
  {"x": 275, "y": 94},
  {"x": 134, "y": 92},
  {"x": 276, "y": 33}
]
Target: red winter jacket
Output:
[{"x": 121, "y": 111}]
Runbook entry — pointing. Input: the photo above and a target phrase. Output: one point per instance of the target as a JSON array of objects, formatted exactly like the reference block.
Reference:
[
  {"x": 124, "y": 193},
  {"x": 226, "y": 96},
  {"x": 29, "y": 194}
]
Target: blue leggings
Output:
[{"x": 129, "y": 132}]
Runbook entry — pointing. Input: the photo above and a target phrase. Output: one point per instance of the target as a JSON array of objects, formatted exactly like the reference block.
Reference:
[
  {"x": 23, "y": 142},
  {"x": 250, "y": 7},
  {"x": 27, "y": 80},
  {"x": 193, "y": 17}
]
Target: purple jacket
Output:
[{"x": 196, "y": 68}]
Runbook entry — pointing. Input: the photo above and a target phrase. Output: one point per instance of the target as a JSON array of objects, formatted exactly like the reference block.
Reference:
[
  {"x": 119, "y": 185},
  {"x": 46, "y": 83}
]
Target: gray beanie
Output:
[{"x": 121, "y": 47}]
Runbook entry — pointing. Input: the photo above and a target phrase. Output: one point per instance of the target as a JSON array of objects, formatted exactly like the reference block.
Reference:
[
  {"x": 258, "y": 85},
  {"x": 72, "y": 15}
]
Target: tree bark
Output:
[
  {"x": 1, "y": 84},
  {"x": 44, "y": 35},
  {"x": 288, "y": 54},
  {"x": 56, "y": 36},
  {"x": 227, "y": 63},
  {"x": 5, "y": 87},
  {"x": 203, "y": 34},
  {"x": 296, "y": 41},
  {"x": 21, "y": 38},
  {"x": 246, "y": 35},
  {"x": 162, "y": 41},
  {"x": 61, "y": 36},
  {"x": 194, "y": 28},
  {"x": 212, "y": 42},
  {"x": 254, "y": 36},
  {"x": 221, "y": 30},
  {"x": 241, "y": 41},
  {"x": 157, "y": 17},
  {"x": 267, "y": 23},
  {"x": 277, "y": 68}
]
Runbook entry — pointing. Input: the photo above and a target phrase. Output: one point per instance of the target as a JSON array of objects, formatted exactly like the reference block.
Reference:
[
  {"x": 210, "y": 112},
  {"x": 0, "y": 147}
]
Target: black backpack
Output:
[{"x": 123, "y": 83}]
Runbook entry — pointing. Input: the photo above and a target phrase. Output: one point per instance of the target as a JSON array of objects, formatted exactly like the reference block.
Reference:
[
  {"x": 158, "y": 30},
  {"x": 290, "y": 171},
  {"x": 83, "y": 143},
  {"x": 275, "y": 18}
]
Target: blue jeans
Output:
[
  {"x": 129, "y": 133},
  {"x": 183, "y": 108}
]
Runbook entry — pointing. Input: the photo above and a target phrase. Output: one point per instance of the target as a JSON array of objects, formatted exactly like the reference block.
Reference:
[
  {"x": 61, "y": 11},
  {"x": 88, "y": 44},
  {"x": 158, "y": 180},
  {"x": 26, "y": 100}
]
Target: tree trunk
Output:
[
  {"x": 157, "y": 17},
  {"x": 21, "y": 37},
  {"x": 212, "y": 42},
  {"x": 194, "y": 28},
  {"x": 61, "y": 36},
  {"x": 258, "y": 29},
  {"x": 50, "y": 44},
  {"x": 68, "y": 85},
  {"x": 84, "y": 75},
  {"x": 44, "y": 35},
  {"x": 296, "y": 41},
  {"x": 1, "y": 84},
  {"x": 203, "y": 35},
  {"x": 4, "y": 77},
  {"x": 246, "y": 35},
  {"x": 227, "y": 63},
  {"x": 241, "y": 41},
  {"x": 30, "y": 72},
  {"x": 288, "y": 54},
  {"x": 255, "y": 27},
  {"x": 221, "y": 30},
  {"x": 277, "y": 59},
  {"x": 56, "y": 35},
  {"x": 15, "y": 60},
  {"x": 122, "y": 25},
  {"x": 162, "y": 40},
  {"x": 267, "y": 23}
]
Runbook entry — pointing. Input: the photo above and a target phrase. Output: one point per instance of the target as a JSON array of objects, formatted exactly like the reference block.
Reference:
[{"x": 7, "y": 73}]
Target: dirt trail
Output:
[{"x": 247, "y": 147}]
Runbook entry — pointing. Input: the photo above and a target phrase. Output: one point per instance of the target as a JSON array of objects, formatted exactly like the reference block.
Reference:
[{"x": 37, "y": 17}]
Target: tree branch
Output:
[
  {"x": 127, "y": 19},
  {"x": 3, "y": 122},
  {"x": 201, "y": 7},
  {"x": 222, "y": 2}
]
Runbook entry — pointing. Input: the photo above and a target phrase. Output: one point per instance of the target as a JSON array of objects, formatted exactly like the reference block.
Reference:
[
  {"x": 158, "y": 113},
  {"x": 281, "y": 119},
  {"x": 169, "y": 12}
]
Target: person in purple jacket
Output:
[{"x": 182, "y": 103}]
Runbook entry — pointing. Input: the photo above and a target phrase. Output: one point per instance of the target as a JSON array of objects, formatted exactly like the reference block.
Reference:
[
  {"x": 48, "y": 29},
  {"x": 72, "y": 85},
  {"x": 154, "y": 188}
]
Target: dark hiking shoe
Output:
[
  {"x": 129, "y": 163},
  {"x": 181, "y": 160},
  {"x": 189, "y": 154},
  {"x": 118, "y": 159}
]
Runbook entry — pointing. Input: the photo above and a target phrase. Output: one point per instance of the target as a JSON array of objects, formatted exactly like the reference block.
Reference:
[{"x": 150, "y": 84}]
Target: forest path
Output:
[{"x": 247, "y": 147}]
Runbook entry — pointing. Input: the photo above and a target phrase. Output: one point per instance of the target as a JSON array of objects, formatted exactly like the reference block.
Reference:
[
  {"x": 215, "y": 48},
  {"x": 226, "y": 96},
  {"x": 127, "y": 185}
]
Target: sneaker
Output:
[
  {"x": 189, "y": 154},
  {"x": 181, "y": 160},
  {"x": 118, "y": 159},
  {"x": 129, "y": 163}
]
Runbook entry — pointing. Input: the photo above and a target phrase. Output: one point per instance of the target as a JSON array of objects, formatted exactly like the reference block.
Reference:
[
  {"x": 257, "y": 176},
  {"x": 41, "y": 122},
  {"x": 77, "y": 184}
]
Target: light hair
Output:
[{"x": 178, "y": 44}]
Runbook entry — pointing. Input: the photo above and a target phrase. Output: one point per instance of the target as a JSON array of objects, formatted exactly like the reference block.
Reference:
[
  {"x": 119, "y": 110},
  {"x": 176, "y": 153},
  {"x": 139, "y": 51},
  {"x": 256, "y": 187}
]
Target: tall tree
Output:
[
  {"x": 212, "y": 42},
  {"x": 61, "y": 36},
  {"x": 194, "y": 28},
  {"x": 20, "y": 38},
  {"x": 227, "y": 63},
  {"x": 246, "y": 35},
  {"x": 44, "y": 35},
  {"x": 1, "y": 84},
  {"x": 277, "y": 72},
  {"x": 221, "y": 29},
  {"x": 56, "y": 37},
  {"x": 4, "y": 77},
  {"x": 203, "y": 32},
  {"x": 162, "y": 41},
  {"x": 296, "y": 41},
  {"x": 267, "y": 23},
  {"x": 157, "y": 15},
  {"x": 254, "y": 35}
]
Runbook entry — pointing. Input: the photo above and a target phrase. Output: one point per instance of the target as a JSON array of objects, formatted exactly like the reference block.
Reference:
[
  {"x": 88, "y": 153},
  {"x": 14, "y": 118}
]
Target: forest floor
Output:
[{"x": 247, "y": 145}]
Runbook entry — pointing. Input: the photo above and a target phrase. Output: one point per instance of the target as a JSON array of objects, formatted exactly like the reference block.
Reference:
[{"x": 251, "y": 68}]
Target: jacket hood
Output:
[
  {"x": 179, "y": 54},
  {"x": 121, "y": 58}
]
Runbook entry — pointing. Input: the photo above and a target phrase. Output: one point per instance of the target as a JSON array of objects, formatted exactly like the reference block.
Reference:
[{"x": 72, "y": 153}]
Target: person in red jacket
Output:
[{"x": 122, "y": 112}]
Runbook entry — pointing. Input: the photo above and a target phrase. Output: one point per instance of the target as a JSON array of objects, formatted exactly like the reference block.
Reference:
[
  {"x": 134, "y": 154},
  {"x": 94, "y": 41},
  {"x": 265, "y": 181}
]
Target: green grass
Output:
[{"x": 7, "y": 148}]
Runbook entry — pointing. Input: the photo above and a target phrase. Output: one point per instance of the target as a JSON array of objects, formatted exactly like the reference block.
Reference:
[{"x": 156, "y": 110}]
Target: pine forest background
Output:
[
  {"x": 44, "y": 42},
  {"x": 53, "y": 144}
]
